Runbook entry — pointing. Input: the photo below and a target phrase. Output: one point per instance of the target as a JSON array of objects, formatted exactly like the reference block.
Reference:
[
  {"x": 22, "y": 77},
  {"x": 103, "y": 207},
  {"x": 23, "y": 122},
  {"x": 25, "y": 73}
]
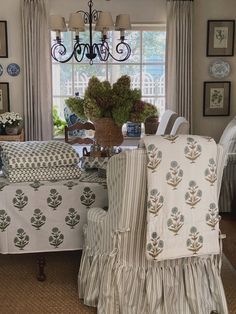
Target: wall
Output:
[
  {"x": 10, "y": 11},
  {"x": 139, "y": 10},
  {"x": 209, "y": 10}
]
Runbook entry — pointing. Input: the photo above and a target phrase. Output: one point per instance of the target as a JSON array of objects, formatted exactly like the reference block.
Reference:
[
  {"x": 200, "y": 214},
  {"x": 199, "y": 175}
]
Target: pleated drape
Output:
[
  {"x": 37, "y": 70},
  {"x": 179, "y": 58}
]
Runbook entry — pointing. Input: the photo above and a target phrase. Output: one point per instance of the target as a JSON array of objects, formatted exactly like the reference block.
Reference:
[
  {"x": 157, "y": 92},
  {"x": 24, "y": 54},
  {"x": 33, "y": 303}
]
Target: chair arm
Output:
[
  {"x": 94, "y": 229},
  {"x": 96, "y": 214}
]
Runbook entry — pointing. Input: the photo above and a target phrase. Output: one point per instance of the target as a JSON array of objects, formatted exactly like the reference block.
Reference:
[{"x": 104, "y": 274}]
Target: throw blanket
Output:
[{"x": 182, "y": 209}]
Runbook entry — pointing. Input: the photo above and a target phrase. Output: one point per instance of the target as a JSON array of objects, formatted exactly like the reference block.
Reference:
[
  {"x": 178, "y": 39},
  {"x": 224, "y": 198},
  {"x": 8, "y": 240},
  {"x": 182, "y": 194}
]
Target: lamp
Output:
[{"x": 91, "y": 50}]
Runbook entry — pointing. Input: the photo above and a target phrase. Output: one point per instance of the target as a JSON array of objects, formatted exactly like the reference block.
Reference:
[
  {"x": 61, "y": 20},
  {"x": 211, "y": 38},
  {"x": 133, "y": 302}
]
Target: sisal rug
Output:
[{"x": 21, "y": 293}]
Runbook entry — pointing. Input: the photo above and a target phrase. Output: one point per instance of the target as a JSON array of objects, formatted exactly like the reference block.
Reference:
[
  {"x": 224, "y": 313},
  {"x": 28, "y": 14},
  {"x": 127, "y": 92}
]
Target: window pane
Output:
[
  {"x": 117, "y": 70},
  {"x": 133, "y": 40},
  {"x": 159, "y": 102},
  {"x": 62, "y": 78},
  {"x": 82, "y": 74},
  {"x": 154, "y": 46},
  {"x": 153, "y": 80},
  {"x": 59, "y": 103}
]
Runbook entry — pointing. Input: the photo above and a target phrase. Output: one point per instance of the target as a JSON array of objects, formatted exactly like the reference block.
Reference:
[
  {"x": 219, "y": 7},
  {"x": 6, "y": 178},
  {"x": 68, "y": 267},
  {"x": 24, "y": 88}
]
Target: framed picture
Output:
[
  {"x": 3, "y": 40},
  {"x": 220, "y": 38},
  {"x": 4, "y": 97},
  {"x": 216, "y": 100}
]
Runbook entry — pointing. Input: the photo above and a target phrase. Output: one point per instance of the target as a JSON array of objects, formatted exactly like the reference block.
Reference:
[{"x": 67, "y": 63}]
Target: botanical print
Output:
[
  {"x": 216, "y": 98},
  {"x": 70, "y": 184},
  {"x": 193, "y": 150},
  {"x": 210, "y": 172},
  {"x": 155, "y": 202},
  {"x": 221, "y": 37},
  {"x": 73, "y": 218},
  {"x": 5, "y": 220},
  {"x": 54, "y": 199},
  {"x": 154, "y": 157},
  {"x": 195, "y": 241},
  {"x": 36, "y": 185},
  {"x": 174, "y": 177},
  {"x": 21, "y": 239},
  {"x": 193, "y": 196},
  {"x": 56, "y": 237},
  {"x": 212, "y": 218},
  {"x": 176, "y": 221},
  {"x": 171, "y": 138},
  {"x": 38, "y": 219},
  {"x": 20, "y": 200},
  {"x": 155, "y": 247},
  {"x": 88, "y": 197}
]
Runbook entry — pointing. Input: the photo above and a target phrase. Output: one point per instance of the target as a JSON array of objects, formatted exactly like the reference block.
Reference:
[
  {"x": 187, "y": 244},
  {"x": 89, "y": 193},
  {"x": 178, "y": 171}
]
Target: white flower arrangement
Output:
[{"x": 10, "y": 119}]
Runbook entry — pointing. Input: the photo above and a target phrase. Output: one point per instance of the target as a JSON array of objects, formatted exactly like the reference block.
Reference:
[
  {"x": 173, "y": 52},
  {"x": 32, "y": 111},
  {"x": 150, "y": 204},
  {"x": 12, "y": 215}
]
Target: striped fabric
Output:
[
  {"x": 114, "y": 274},
  {"x": 228, "y": 189}
]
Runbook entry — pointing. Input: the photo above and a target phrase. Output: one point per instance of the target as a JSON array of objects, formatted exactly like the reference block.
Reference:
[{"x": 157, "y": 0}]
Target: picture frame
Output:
[
  {"x": 3, "y": 40},
  {"x": 216, "y": 99},
  {"x": 220, "y": 38},
  {"x": 4, "y": 97}
]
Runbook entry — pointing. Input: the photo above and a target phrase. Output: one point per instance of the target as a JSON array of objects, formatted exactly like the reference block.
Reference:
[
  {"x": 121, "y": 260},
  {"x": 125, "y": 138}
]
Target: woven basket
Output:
[
  {"x": 151, "y": 125},
  {"x": 107, "y": 133}
]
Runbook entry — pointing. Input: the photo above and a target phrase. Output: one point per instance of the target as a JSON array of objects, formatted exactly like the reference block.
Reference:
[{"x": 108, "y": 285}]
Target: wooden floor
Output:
[{"x": 228, "y": 227}]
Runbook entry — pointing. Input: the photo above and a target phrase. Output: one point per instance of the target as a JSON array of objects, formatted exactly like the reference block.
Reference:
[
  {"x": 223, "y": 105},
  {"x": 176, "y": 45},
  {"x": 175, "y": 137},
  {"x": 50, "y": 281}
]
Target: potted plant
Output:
[
  {"x": 11, "y": 122},
  {"x": 109, "y": 107}
]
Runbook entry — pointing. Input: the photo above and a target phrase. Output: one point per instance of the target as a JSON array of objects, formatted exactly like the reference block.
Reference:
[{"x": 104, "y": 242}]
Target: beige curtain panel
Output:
[
  {"x": 179, "y": 58},
  {"x": 37, "y": 73}
]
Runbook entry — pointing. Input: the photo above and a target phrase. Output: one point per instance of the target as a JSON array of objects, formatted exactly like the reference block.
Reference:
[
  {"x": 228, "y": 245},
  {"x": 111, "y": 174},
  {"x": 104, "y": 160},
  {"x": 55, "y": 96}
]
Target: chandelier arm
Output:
[
  {"x": 120, "y": 50},
  {"x": 80, "y": 49},
  {"x": 102, "y": 50},
  {"x": 85, "y": 16},
  {"x": 59, "y": 49},
  {"x": 95, "y": 15}
]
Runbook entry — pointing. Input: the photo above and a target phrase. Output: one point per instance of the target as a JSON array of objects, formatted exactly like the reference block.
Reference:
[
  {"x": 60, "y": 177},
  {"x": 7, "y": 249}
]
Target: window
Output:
[{"x": 146, "y": 67}]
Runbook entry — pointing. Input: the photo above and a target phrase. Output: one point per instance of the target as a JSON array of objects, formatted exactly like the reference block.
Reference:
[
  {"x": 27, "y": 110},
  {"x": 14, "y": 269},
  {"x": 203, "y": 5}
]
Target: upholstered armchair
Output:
[{"x": 115, "y": 274}]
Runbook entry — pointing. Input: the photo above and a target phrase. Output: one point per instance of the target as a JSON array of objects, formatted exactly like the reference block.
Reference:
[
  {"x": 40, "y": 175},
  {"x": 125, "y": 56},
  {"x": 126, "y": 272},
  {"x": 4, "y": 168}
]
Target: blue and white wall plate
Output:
[
  {"x": 13, "y": 69},
  {"x": 1, "y": 70},
  {"x": 219, "y": 69}
]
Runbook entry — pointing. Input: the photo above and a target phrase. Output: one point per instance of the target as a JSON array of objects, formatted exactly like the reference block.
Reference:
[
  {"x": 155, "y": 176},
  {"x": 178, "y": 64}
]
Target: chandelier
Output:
[{"x": 103, "y": 22}]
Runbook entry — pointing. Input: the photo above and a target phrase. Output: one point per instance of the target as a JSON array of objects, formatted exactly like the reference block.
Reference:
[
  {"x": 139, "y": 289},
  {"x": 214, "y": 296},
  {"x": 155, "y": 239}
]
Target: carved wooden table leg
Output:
[{"x": 41, "y": 261}]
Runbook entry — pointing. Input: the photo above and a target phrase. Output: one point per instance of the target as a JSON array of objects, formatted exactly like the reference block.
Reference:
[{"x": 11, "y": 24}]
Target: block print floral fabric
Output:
[
  {"x": 182, "y": 208},
  {"x": 46, "y": 216}
]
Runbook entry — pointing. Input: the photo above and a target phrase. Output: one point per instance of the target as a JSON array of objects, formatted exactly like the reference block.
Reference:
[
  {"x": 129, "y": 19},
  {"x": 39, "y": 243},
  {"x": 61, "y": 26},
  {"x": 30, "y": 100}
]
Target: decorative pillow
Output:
[
  {"x": 18, "y": 155},
  {"x": 42, "y": 174}
]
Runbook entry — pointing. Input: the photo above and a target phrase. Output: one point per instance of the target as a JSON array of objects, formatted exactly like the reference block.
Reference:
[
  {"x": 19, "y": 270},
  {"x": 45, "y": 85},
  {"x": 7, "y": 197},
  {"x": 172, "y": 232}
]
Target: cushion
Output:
[
  {"x": 44, "y": 154},
  {"x": 42, "y": 174}
]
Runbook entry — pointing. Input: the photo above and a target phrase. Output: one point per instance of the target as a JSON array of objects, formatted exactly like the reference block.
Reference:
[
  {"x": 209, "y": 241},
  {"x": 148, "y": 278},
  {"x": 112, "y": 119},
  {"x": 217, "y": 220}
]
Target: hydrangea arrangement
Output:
[
  {"x": 118, "y": 101},
  {"x": 10, "y": 119}
]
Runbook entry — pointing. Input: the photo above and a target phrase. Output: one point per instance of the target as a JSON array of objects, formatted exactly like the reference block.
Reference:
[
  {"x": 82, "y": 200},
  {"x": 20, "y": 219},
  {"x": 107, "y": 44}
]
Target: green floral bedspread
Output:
[{"x": 47, "y": 216}]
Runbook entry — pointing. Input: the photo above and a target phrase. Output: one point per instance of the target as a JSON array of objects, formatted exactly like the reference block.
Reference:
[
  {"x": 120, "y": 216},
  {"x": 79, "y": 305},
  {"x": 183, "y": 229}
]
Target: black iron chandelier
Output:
[{"x": 103, "y": 22}]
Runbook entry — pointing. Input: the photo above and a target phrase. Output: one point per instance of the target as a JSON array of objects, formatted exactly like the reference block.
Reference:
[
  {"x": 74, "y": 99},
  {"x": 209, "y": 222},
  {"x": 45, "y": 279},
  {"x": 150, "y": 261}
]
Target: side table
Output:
[{"x": 17, "y": 138}]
